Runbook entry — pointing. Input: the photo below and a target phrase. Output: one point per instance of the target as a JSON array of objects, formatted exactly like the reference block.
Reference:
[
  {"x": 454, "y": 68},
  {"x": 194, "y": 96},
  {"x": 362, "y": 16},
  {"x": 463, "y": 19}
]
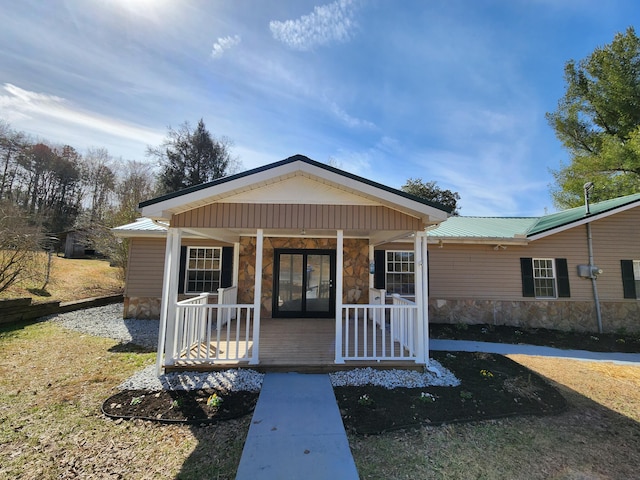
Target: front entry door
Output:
[{"x": 304, "y": 283}]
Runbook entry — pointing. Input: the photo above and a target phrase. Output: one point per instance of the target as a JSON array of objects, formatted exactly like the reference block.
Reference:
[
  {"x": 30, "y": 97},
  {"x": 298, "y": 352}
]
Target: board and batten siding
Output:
[{"x": 292, "y": 216}]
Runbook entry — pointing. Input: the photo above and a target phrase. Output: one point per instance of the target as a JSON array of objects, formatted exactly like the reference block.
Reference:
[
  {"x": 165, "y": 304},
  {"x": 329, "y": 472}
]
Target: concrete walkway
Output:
[
  {"x": 509, "y": 349},
  {"x": 296, "y": 432}
]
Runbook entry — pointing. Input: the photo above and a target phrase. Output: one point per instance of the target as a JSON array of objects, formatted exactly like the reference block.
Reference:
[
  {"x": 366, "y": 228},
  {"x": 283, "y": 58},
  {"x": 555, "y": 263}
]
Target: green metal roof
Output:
[
  {"x": 566, "y": 217},
  {"x": 504, "y": 228},
  {"x": 483, "y": 227}
]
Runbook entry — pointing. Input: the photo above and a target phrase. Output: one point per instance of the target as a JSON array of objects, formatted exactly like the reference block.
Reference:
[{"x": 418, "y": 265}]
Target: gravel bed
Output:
[{"x": 107, "y": 322}]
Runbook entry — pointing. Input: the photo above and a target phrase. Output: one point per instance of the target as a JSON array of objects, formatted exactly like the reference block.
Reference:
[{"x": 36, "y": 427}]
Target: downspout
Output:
[{"x": 588, "y": 187}]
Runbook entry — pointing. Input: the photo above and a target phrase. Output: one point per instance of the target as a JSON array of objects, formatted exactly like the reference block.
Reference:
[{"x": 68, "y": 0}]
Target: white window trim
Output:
[
  {"x": 187, "y": 269},
  {"x": 636, "y": 276},
  {"x": 387, "y": 272},
  {"x": 554, "y": 277}
]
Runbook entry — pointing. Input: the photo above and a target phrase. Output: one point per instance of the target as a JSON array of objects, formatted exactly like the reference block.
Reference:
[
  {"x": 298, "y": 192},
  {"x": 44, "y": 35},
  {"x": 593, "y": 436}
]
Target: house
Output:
[
  {"x": 272, "y": 247},
  {"x": 574, "y": 270},
  {"x": 281, "y": 265}
]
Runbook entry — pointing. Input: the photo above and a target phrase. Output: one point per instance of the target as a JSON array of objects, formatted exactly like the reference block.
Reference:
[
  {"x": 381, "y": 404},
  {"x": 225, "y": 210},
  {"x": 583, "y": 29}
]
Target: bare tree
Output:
[{"x": 19, "y": 246}]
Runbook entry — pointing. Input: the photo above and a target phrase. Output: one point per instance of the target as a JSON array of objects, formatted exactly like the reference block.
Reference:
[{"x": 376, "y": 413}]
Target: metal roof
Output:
[
  {"x": 577, "y": 214},
  {"x": 482, "y": 228},
  {"x": 140, "y": 226}
]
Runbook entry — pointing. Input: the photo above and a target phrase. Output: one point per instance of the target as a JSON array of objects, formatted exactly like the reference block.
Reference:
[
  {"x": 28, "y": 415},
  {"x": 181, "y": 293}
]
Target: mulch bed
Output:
[
  {"x": 594, "y": 342},
  {"x": 179, "y": 406},
  {"x": 493, "y": 386}
]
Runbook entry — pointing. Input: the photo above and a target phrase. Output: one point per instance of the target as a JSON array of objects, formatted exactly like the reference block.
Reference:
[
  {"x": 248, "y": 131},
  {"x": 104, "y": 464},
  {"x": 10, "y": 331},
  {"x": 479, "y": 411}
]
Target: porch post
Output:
[
  {"x": 419, "y": 268},
  {"x": 166, "y": 334},
  {"x": 339, "y": 275},
  {"x": 425, "y": 295},
  {"x": 257, "y": 300}
]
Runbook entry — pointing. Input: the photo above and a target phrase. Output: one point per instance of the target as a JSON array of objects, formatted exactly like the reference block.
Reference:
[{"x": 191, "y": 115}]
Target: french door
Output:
[{"x": 304, "y": 283}]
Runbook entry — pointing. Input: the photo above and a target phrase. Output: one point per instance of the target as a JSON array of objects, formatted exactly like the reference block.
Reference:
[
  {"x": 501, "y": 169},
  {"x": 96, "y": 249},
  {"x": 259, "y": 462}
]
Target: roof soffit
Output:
[{"x": 284, "y": 177}]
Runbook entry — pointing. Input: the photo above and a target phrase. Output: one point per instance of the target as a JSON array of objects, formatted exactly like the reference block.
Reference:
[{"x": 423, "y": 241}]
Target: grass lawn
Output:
[
  {"x": 52, "y": 384},
  {"x": 71, "y": 279}
]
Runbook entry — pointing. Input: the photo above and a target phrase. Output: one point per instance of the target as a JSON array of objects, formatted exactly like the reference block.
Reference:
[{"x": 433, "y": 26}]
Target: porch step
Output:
[
  {"x": 295, "y": 367},
  {"x": 296, "y": 432}
]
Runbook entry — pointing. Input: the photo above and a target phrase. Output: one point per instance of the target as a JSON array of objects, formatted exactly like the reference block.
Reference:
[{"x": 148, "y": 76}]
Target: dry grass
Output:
[
  {"x": 71, "y": 279},
  {"x": 597, "y": 438},
  {"x": 52, "y": 383}
]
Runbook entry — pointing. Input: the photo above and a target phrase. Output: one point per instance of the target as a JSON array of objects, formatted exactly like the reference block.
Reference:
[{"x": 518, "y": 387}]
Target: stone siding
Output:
[
  {"x": 355, "y": 277},
  {"x": 142, "y": 307},
  {"x": 557, "y": 314}
]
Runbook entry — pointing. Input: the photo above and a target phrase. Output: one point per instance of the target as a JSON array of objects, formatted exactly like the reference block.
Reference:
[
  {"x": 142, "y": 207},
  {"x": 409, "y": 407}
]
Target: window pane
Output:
[{"x": 203, "y": 269}]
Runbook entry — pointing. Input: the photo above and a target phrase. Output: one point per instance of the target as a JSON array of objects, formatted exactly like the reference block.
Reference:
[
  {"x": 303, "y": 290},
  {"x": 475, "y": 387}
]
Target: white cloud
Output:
[
  {"x": 223, "y": 44},
  {"x": 20, "y": 106},
  {"x": 348, "y": 120},
  {"x": 327, "y": 24}
]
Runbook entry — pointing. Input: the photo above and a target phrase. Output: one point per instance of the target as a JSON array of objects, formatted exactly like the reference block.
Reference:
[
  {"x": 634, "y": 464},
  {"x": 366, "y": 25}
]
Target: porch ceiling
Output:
[{"x": 233, "y": 235}]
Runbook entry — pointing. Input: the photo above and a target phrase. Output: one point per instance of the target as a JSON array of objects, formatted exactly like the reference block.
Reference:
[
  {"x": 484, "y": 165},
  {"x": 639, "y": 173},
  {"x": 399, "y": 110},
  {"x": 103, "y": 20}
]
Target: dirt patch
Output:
[
  {"x": 195, "y": 407},
  {"x": 594, "y": 342}
]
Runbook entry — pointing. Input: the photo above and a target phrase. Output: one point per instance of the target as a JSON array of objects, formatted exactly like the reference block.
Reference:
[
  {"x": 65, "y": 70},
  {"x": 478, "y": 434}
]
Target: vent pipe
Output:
[{"x": 588, "y": 188}]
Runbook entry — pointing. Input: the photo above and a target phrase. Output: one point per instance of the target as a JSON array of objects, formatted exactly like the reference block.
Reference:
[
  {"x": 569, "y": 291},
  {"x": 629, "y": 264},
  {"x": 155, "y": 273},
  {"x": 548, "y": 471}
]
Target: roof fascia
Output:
[
  {"x": 583, "y": 221},
  {"x": 161, "y": 207}
]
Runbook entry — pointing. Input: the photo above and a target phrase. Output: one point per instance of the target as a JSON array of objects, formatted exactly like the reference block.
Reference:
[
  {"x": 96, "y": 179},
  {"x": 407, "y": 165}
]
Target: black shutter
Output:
[
  {"x": 526, "y": 269},
  {"x": 379, "y": 259},
  {"x": 628, "y": 279},
  {"x": 183, "y": 269},
  {"x": 562, "y": 272},
  {"x": 226, "y": 277}
]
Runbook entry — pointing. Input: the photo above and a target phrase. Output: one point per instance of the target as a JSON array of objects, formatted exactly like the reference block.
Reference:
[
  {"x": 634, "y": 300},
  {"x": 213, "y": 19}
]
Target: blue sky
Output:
[{"x": 448, "y": 90}]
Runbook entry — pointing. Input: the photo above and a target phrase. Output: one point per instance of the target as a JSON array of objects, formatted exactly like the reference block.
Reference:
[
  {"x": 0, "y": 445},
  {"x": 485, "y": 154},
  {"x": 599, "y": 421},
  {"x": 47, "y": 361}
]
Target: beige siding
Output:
[
  {"x": 479, "y": 271},
  {"x": 146, "y": 267},
  {"x": 289, "y": 216},
  {"x": 146, "y": 264}
]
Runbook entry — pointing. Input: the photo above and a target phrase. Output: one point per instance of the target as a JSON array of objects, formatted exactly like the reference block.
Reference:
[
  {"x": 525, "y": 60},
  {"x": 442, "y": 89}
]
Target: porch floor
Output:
[{"x": 305, "y": 345}]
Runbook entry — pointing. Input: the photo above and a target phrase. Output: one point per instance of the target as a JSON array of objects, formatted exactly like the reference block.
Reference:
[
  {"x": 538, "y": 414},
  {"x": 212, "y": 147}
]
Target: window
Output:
[
  {"x": 400, "y": 273},
  {"x": 544, "y": 279},
  {"x": 631, "y": 278},
  {"x": 203, "y": 269}
]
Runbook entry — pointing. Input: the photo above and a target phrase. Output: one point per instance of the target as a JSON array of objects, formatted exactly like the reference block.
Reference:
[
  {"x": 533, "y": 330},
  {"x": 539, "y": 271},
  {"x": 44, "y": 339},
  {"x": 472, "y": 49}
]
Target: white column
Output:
[
  {"x": 418, "y": 277},
  {"x": 339, "y": 278},
  {"x": 425, "y": 296},
  {"x": 166, "y": 336},
  {"x": 257, "y": 300}
]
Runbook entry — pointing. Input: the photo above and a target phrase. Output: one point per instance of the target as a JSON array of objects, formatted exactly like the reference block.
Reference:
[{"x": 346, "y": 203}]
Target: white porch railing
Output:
[
  {"x": 213, "y": 333},
  {"x": 380, "y": 332}
]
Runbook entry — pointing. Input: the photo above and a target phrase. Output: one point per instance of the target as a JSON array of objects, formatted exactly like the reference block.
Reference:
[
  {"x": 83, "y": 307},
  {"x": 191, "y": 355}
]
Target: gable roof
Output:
[
  {"x": 525, "y": 229},
  {"x": 577, "y": 216},
  {"x": 298, "y": 165}
]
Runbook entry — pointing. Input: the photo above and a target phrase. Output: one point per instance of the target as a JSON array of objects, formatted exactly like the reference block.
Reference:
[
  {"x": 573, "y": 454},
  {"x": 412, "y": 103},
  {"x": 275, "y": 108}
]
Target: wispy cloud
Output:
[
  {"x": 223, "y": 44},
  {"x": 20, "y": 104},
  {"x": 327, "y": 24},
  {"x": 348, "y": 120}
]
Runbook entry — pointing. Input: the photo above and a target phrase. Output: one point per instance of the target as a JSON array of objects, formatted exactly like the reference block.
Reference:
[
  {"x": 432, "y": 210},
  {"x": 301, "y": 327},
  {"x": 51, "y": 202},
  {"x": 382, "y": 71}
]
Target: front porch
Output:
[
  {"x": 218, "y": 336},
  {"x": 304, "y": 345}
]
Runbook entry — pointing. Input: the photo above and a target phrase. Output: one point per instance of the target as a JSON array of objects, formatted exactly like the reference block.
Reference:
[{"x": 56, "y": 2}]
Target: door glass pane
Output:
[
  {"x": 318, "y": 271},
  {"x": 290, "y": 282}
]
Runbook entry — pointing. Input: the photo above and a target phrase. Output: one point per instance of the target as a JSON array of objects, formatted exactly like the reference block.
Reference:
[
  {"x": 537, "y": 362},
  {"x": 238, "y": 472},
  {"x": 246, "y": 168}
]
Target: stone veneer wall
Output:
[
  {"x": 558, "y": 315},
  {"x": 355, "y": 276},
  {"x": 142, "y": 307}
]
